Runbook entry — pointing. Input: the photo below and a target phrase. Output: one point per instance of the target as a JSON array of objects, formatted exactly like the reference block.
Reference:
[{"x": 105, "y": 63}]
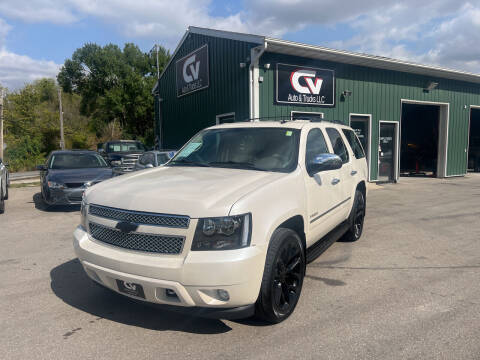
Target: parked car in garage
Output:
[
  {"x": 227, "y": 227},
  {"x": 122, "y": 155},
  {"x": 67, "y": 173},
  {"x": 4, "y": 184},
  {"x": 151, "y": 159}
]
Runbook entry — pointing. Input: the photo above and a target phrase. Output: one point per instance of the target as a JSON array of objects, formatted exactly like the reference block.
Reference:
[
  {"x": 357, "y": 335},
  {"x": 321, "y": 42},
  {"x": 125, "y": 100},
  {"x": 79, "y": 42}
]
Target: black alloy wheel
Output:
[
  {"x": 287, "y": 277},
  {"x": 283, "y": 276},
  {"x": 357, "y": 217}
]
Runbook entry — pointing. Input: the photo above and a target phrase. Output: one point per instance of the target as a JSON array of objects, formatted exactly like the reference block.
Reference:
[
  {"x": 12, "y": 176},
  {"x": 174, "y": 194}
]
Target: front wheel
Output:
[{"x": 282, "y": 278}]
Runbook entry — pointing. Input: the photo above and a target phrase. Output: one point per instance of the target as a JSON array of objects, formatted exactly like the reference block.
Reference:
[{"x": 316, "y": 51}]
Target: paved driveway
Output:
[{"x": 410, "y": 288}]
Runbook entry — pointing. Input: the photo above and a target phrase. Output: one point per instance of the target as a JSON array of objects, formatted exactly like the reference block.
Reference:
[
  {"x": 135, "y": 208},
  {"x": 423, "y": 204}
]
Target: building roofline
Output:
[
  {"x": 354, "y": 58},
  {"x": 329, "y": 54}
]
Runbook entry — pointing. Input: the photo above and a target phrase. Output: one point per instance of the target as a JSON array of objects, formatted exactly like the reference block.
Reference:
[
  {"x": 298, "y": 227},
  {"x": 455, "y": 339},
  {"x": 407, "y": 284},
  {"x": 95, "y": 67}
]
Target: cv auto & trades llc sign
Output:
[
  {"x": 192, "y": 72},
  {"x": 305, "y": 85}
]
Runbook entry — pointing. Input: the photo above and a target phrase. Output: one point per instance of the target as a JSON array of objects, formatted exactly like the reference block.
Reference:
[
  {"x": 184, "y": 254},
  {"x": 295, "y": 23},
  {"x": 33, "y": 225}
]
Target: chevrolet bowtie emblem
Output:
[{"x": 126, "y": 227}]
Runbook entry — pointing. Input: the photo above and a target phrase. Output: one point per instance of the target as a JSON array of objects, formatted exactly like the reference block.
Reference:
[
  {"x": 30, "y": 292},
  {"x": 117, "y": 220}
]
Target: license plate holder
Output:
[{"x": 130, "y": 288}]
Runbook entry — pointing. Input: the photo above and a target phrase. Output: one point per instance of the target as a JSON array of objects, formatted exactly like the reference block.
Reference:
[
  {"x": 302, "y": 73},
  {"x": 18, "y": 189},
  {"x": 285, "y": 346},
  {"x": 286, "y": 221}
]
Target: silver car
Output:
[
  {"x": 153, "y": 158},
  {"x": 4, "y": 184}
]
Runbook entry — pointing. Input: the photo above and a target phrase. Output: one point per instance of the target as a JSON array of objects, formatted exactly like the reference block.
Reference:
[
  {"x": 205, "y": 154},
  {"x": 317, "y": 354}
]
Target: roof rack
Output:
[{"x": 284, "y": 119}]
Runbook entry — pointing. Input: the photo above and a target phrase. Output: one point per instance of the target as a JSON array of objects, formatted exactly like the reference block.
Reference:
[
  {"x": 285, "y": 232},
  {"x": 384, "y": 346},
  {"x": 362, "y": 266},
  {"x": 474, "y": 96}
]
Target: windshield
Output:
[
  {"x": 267, "y": 149},
  {"x": 76, "y": 161},
  {"x": 125, "y": 147}
]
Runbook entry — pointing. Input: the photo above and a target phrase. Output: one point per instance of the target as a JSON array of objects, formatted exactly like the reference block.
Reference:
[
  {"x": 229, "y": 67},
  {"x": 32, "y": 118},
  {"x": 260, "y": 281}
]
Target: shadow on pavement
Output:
[
  {"x": 41, "y": 205},
  {"x": 71, "y": 284}
]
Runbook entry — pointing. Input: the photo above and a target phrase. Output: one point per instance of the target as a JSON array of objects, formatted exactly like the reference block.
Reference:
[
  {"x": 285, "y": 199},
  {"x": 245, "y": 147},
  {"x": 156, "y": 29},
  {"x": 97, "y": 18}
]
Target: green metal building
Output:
[{"x": 412, "y": 119}]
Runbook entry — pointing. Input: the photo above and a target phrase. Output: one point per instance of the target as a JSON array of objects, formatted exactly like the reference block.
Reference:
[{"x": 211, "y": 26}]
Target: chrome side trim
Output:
[{"x": 331, "y": 209}]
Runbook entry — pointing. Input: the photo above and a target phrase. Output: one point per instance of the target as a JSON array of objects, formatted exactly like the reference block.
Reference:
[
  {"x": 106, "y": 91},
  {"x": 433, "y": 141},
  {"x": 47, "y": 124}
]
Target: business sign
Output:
[
  {"x": 305, "y": 85},
  {"x": 192, "y": 72}
]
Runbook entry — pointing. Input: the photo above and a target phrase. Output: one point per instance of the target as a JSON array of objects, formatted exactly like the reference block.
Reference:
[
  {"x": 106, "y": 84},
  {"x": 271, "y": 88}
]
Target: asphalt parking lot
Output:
[{"x": 409, "y": 289}]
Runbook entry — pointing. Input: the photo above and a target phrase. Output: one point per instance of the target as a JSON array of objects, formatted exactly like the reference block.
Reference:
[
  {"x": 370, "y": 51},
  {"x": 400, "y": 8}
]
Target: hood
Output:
[
  {"x": 193, "y": 191},
  {"x": 79, "y": 175}
]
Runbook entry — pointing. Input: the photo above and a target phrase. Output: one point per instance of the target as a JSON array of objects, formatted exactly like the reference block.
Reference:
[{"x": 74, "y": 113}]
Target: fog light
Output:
[
  {"x": 223, "y": 295},
  {"x": 170, "y": 293}
]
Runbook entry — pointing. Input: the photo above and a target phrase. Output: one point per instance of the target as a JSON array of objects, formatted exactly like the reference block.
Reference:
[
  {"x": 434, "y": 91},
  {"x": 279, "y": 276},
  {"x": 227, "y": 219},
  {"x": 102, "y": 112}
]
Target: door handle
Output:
[
  {"x": 335, "y": 181},
  {"x": 353, "y": 173}
]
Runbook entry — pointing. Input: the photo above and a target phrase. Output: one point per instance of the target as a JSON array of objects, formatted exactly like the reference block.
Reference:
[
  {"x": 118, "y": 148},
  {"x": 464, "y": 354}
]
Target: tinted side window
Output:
[
  {"x": 337, "y": 144},
  {"x": 316, "y": 145},
  {"x": 354, "y": 143}
]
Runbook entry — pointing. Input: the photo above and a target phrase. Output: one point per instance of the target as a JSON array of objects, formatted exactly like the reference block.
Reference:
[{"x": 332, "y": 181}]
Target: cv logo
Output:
[
  {"x": 314, "y": 84},
  {"x": 191, "y": 69},
  {"x": 126, "y": 227}
]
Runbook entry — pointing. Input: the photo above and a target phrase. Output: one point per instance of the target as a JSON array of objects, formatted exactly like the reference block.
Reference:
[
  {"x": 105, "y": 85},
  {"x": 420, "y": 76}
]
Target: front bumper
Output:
[
  {"x": 66, "y": 196},
  {"x": 195, "y": 278}
]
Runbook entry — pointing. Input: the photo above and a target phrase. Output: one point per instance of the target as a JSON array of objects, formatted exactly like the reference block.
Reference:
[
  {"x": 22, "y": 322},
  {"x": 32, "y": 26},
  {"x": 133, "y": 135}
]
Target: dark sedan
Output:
[{"x": 67, "y": 173}]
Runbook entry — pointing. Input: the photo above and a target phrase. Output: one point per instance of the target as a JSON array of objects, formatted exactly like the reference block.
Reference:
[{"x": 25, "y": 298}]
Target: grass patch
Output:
[{"x": 22, "y": 185}]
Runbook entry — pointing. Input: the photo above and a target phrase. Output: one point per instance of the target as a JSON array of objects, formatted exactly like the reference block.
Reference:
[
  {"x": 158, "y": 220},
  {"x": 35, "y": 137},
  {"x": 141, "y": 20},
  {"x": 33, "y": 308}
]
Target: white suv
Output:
[{"x": 227, "y": 226}]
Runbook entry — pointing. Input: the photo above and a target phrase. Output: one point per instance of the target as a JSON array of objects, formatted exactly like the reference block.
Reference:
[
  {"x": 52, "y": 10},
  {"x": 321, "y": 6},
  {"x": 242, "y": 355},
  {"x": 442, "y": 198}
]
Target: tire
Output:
[
  {"x": 2, "y": 201},
  {"x": 282, "y": 277},
  {"x": 6, "y": 191},
  {"x": 356, "y": 219}
]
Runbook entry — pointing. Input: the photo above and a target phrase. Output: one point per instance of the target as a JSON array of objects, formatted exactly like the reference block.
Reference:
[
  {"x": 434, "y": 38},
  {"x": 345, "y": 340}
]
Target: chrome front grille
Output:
[
  {"x": 138, "y": 217},
  {"x": 160, "y": 244}
]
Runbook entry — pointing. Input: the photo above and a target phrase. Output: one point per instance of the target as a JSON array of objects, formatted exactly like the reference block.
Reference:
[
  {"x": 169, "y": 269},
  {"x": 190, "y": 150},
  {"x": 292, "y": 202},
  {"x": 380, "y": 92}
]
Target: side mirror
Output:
[
  {"x": 41, "y": 167},
  {"x": 324, "y": 162},
  {"x": 148, "y": 166}
]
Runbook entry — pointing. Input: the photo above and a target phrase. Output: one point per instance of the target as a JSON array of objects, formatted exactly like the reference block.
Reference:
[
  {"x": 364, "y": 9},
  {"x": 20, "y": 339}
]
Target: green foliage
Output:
[
  {"x": 32, "y": 127},
  {"x": 106, "y": 95},
  {"x": 114, "y": 84}
]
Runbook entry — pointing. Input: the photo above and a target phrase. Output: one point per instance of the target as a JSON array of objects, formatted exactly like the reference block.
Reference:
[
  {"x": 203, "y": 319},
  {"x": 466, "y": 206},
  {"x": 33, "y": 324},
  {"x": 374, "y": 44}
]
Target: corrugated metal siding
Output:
[
  {"x": 228, "y": 91},
  {"x": 379, "y": 93}
]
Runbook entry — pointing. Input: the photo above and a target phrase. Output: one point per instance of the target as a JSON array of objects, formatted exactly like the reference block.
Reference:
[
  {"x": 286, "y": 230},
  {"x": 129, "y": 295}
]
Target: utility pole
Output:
[
  {"x": 1, "y": 124},
  {"x": 62, "y": 140}
]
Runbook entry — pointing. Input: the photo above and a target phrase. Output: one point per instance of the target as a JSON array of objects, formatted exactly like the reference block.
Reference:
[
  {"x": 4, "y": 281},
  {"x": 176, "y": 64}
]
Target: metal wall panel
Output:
[
  {"x": 228, "y": 91},
  {"x": 379, "y": 93}
]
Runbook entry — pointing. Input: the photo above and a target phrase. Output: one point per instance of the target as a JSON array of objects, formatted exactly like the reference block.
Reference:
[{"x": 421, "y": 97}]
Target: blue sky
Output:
[{"x": 37, "y": 36}]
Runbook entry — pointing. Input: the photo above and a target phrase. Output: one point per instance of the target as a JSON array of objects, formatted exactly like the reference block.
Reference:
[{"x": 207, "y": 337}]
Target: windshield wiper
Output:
[
  {"x": 240, "y": 165},
  {"x": 188, "y": 163}
]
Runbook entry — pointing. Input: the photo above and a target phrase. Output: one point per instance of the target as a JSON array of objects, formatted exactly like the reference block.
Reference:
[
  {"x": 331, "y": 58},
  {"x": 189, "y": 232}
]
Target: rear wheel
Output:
[
  {"x": 6, "y": 191},
  {"x": 356, "y": 219},
  {"x": 283, "y": 276}
]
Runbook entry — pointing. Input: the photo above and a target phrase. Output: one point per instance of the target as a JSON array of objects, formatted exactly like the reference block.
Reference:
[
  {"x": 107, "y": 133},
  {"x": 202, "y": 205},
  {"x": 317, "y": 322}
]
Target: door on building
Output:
[
  {"x": 474, "y": 140},
  {"x": 387, "y": 151},
  {"x": 225, "y": 118},
  {"x": 361, "y": 125}
]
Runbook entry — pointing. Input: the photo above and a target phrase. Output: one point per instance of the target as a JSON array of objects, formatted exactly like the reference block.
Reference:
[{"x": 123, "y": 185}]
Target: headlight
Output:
[
  {"x": 222, "y": 233},
  {"x": 55, "y": 185},
  {"x": 83, "y": 213},
  {"x": 116, "y": 162}
]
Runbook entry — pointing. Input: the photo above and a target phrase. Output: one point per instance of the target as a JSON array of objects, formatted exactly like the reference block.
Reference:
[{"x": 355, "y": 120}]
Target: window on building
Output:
[
  {"x": 225, "y": 118},
  {"x": 301, "y": 115}
]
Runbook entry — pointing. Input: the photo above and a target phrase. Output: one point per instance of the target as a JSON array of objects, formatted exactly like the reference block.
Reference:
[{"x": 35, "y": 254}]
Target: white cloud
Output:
[
  {"x": 16, "y": 70},
  {"x": 443, "y": 32}
]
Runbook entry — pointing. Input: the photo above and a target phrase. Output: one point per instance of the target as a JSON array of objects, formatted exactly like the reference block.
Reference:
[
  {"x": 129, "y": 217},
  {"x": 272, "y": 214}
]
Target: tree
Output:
[
  {"x": 32, "y": 124},
  {"x": 114, "y": 85}
]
